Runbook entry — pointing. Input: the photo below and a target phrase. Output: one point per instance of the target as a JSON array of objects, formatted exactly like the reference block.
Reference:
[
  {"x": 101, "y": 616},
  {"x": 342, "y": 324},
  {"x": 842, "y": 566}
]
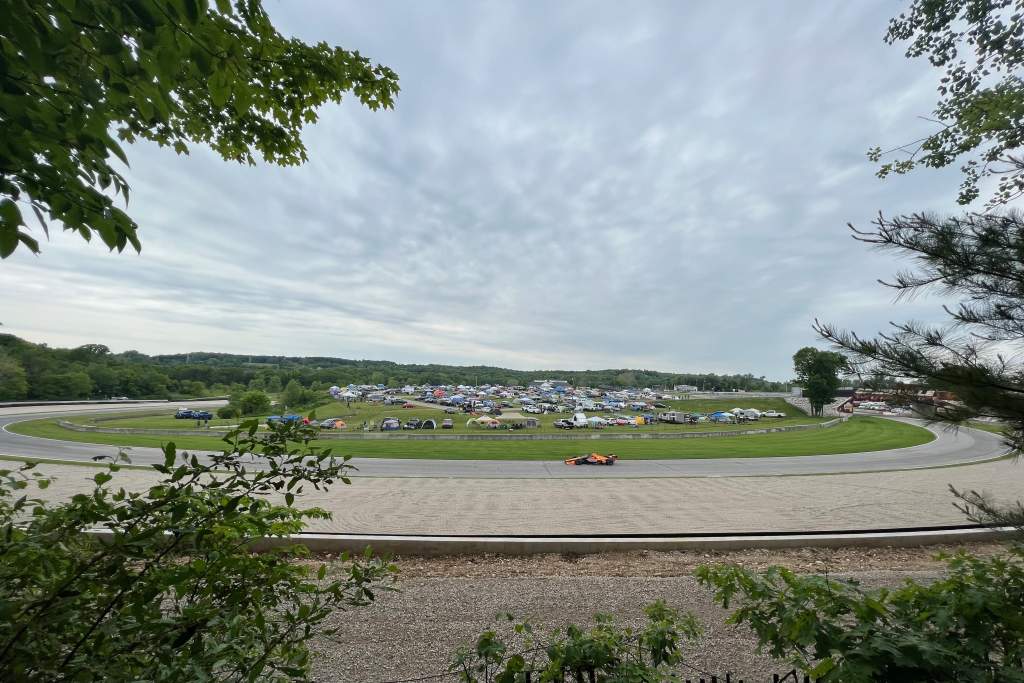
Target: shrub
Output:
[
  {"x": 253, "y": 402},
  {"x": 968, "y": 626},
  {"x": 173, "y": 594},
  {"x": 228, "y": 412},
  {"x": 609, "y": 652}
]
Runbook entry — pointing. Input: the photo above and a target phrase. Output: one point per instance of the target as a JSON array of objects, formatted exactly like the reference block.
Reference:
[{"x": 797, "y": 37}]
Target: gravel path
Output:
[{"x": 443, "y": 603}]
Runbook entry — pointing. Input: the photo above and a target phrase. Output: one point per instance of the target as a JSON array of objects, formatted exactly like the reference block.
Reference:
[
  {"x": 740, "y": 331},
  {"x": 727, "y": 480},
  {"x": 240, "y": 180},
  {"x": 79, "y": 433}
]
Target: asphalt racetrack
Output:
[{"x": 959, "y": 447}]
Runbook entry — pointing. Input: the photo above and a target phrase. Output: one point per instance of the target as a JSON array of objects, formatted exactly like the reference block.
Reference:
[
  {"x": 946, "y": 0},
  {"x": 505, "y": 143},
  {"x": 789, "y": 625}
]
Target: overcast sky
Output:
[{"x": 561, "y": 185}]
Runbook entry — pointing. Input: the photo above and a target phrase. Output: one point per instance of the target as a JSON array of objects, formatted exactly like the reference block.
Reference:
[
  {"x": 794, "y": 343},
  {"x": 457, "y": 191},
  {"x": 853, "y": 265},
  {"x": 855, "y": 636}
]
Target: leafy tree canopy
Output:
[
  {"x": 818, "y": 372},
  {"x": 976, "y": 257},
  {"x": 137, "y": 375},
  {"x": 253, "y": 402},
  {"x": 980, "y": 113},
  {"x": 79, "y": 78}
]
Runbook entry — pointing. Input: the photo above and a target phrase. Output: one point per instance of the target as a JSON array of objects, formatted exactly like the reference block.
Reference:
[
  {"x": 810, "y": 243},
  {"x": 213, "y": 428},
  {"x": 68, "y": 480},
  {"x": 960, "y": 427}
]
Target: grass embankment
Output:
[
  {"x": 858, "y": 434},
  {"x": 357, "y": 413},
  {"x": 993, "y": 427}
]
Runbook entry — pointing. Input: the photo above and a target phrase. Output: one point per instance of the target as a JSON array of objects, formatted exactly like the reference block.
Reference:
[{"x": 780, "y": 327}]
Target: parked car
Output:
[
  {"x": 563, "y": 424},
  {"x": 447, "y": 424},
  {"x": 333, "y": 423},
  {"x": 286, "y": 419},
  {"x": 183, "y": 414},
  {"x": 772, "y": 413},
  {"x": 407, "y": 404},
  {"x": 202, "y": 415},
  {"x": 451, "y": 411},
  {"x": 412, "y": 424}
]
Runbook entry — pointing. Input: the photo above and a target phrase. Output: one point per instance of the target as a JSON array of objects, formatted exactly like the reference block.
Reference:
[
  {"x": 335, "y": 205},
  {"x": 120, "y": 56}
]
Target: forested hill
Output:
[{"x": 36, "y": 371}]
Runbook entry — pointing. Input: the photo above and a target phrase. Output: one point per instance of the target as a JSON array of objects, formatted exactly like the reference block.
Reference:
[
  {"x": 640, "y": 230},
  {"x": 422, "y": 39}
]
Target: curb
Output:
[{"x": 388, "y": 544}]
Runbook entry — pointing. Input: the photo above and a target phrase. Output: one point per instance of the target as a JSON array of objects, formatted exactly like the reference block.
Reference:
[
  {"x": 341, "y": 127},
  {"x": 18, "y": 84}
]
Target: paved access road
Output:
[{"x": 948, "y": 448}]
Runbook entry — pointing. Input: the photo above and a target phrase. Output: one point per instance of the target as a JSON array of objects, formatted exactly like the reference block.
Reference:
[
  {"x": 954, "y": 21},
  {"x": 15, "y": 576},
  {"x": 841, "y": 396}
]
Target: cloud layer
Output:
[{"x": 575, "y": 185}]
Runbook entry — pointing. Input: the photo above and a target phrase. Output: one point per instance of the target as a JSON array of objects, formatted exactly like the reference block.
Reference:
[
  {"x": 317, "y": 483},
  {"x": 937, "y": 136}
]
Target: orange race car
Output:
[{"x": 593, "y": 459}]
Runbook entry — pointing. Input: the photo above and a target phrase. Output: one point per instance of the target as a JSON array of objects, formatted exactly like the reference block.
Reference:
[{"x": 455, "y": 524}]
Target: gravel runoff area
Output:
[{"x": 442, "y": 603}]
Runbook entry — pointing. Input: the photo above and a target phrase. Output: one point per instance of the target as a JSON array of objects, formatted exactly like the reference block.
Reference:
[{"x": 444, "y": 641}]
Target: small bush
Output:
[
  {"x": 228, "y": 412},
  {"x": 608, "y": 652},
  {"x": 968, "y": 626},
  {"x": 253, "y": 403},
  {"x": 174, "y": 594}
]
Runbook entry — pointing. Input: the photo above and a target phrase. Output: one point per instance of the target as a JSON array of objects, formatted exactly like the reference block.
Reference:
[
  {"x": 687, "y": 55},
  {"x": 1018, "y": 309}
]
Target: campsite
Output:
[{"x": 371, "y": 416}]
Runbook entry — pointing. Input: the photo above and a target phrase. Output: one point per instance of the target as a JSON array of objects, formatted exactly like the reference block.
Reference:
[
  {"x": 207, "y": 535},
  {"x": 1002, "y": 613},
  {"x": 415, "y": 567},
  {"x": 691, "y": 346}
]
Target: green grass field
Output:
[
  {"x": 995, "y": 428},
  {"x": 358, "y": 413},
  {"x": 859, "y": 434}
]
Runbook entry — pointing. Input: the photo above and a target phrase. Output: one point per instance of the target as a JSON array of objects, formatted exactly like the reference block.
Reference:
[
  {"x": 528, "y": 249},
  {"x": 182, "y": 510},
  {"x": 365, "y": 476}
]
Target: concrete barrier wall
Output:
[
  {"x": 526, "y": 545},
  {"x": 442, "y": 436},
  {"x": 130, "y": 402}
]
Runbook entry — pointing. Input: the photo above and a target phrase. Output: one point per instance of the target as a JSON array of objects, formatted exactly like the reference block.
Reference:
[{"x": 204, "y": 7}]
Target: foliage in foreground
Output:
[
  {"x": 977, "y": 257},
  {"x": 174, "y": 72},
  {"x": 979, "y": 44},
  {"x": 606, "y": 651},
  {"x": 174, "y": 594},
  {"x": 968, "y": 626}
]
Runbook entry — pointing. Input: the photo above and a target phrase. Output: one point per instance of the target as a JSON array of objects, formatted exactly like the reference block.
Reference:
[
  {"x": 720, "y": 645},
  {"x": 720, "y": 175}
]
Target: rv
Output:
[
  {"x": 674, "y": 417},
  {"x": 579, "y": 421}
]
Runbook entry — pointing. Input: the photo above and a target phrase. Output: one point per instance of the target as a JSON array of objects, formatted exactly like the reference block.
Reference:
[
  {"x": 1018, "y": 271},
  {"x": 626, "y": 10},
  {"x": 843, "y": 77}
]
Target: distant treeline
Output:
[{"x": 36, "y": 371}]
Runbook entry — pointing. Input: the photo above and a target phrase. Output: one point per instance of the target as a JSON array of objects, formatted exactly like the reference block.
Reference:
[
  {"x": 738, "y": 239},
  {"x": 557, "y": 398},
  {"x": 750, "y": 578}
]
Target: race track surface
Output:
[{"x": 948, "y": 448}]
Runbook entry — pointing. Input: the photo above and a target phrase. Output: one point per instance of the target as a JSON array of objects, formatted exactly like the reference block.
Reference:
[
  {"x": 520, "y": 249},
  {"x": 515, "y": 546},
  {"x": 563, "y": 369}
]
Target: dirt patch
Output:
[{"x": 443, "y": 603}]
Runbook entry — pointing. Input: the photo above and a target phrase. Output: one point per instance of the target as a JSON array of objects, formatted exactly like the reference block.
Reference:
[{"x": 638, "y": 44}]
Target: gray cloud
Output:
[{"x": 572, "y": 185}]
